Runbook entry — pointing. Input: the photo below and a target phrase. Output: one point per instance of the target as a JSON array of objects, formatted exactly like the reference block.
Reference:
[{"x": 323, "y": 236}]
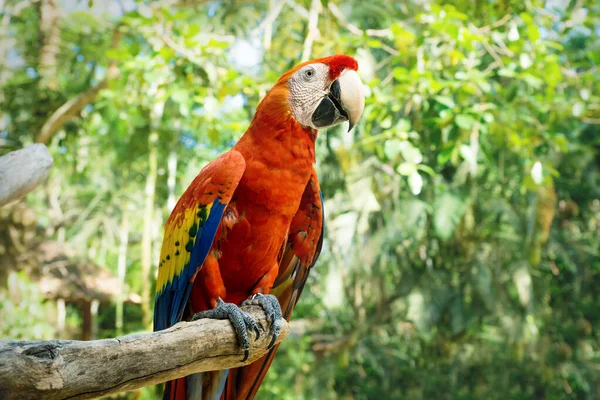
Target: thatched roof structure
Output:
[
  {"x": 53, "y": 265},
  {"x": 61, "y": 275}
]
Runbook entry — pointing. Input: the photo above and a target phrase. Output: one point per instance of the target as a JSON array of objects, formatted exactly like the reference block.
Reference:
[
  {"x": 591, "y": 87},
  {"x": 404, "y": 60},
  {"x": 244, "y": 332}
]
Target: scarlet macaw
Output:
[{"x": 250, "y": 225}]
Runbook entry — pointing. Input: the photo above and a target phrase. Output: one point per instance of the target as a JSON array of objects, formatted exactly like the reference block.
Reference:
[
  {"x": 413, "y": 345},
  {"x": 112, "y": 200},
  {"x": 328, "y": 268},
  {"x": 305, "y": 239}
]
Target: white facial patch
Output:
[{"x": 307, "y": 87}]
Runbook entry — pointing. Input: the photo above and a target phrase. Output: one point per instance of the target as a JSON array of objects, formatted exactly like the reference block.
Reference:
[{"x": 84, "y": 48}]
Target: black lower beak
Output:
[{"x": 330, "y": 111}]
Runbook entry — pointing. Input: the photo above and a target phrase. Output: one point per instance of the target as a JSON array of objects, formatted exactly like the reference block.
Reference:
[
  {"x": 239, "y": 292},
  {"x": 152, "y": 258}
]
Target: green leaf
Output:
[
  {"x": 537, "y": 172},
  {"x": 523, "y": 282},
  {"x": 446, "y": 100},
  {"x": 406, "y": 168},
  {"x": 561, "y": 142},
  {"x": 400, "y": 74},
  {"x": 457, "y": 315},
  {"x": 445, "y": 155},
  {"x": 448, "y": 211},
  {"x": 117, "y": 54},
  {"x": 533, "y": 81},
  {"x": 467, "y": 154},
  {"x": 415, "y": 182},
  {"x": 507, "y": 72},
  {"x": 402, "y": 37},
  {"x": 482, "y": 279},
  {"x": 191, "y": 30},
  {"x": 411, "y": 153},
  {"x": 411, "y": 217},
  {"x": 167, "y": 53},
  {"x": 181, "y": 96},
  {"x": 374, "y": 43},
  {"x": 427, "y": 169},
  {"x": 391, "y": 148},
  {"x": 488, "y": 117},
  {"x": 386, "y": 123},
  {"x": 217, "y": 44},
  {"x": 533, "y": 32},
  {"x": 403, "y": 125},
  {"x": 464, "y": 121}
]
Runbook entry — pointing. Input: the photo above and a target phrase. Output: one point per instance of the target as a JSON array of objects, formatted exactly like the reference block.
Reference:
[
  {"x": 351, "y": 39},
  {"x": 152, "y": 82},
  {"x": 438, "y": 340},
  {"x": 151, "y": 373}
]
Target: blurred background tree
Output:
[{"x": 462, "y": 255}]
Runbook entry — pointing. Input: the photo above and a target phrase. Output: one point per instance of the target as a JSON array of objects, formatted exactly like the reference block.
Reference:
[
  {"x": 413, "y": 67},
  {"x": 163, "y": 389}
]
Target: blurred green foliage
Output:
[
  {"x": 22, "y": 310},
  {"x": 463, "y": 224}
]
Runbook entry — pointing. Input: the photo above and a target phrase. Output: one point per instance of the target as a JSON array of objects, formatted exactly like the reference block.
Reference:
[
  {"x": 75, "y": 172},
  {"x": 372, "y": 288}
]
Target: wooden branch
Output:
[
  {"x": 60, "y": 369},
  {"x": 183, "y": 3},
  {"x": 303, "y": 12},
  {"x": 503, "y": 21},
  {"x": 269, "y": 19},
  {"x": 22, "y": 170},
  {"x": 188, "y": 54},
  {"x": 67, "y": 111},
  {"x": 337, "y": 13},
  {"x": 313, "y": 29}
]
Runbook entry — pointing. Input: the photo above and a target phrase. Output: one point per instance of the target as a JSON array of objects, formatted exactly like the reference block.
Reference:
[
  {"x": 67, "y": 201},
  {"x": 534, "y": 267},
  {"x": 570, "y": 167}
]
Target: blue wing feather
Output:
[
  {"x": 204, "y": 239},
  {"x": 171, "y": 301}
]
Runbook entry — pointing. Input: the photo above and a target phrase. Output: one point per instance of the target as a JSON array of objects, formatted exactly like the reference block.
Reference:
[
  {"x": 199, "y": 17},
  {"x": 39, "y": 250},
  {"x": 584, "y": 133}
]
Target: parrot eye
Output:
[{"x": 308, "y": 74}]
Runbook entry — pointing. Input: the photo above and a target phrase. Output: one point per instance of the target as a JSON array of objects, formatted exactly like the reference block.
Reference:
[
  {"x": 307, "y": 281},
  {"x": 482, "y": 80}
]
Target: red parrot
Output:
[{"x": 250, "y": 226}]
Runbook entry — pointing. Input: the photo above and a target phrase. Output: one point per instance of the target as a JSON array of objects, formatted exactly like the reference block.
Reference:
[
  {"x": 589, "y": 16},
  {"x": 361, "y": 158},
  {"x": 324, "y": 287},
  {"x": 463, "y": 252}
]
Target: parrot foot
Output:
[
  {"x": 272, "y": 308},
  {"x": 239, "y": 319}
]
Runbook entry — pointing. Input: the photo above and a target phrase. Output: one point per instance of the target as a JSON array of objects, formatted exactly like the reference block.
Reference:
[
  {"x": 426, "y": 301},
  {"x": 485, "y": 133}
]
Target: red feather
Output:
[{"x": 337, "y": 63}]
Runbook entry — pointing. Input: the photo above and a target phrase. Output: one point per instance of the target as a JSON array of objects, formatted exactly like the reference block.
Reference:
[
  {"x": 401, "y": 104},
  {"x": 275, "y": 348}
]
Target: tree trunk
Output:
[
  {"x": 86, "y": 324},
  {"x": 95, "y": 304},
  {"x": 312, "y": 31},
  {"x": 122, "y": 267},
  {"x": 172, "y": 179},
  {"x": 50, "y": 32},
  {"x": 61, "y": 316},
  {"x": 156, "y": 116}
]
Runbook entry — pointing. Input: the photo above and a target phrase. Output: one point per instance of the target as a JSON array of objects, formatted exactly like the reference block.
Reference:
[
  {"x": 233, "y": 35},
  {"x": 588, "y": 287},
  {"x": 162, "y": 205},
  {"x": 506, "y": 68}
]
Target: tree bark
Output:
[
  {"x": 86, "y": 323},
  {"x": 312, "y": 30},
  {"x": 147, "y": 229},
  {"x": 60, "y": 369},
  {"x": 122, "y": 266},
  {"x": 67, "y": 111},
  {"x": 61, "y": 316},
  {"x": 172, "y": 179},
  {"x": 94, "y": 310},
  {"x": 50, "y": 30},
  {"x": 23, "y": 170}
]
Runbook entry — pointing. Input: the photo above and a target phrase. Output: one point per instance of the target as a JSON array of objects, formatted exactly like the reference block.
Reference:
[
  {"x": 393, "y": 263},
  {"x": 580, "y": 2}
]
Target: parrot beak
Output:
[{"x": 345, "y": 102}]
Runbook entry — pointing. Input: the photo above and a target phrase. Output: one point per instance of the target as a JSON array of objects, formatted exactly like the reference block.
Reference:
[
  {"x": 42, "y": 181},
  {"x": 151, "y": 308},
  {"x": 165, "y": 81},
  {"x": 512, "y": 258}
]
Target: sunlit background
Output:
[{"x": 461, "y": 258}]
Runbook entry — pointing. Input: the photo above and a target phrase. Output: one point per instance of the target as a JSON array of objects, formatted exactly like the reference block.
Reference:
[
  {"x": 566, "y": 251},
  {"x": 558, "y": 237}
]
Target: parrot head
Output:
[{"x": 320, "y": 93}]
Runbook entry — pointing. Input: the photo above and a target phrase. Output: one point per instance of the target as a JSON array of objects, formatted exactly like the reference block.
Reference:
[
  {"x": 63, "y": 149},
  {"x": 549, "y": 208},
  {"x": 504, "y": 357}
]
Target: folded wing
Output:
[{"x": 189, "y": 235}]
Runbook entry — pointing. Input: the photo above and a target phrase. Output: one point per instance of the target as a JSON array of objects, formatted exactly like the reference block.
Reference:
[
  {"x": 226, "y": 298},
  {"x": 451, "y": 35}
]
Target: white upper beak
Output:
[{"x": 352, "y": 95}]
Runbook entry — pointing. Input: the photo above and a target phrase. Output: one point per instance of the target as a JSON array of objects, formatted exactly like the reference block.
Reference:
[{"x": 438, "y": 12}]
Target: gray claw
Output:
[
  {"x": 239, "y": 319},
  {"x": 272, "y": 309}
]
